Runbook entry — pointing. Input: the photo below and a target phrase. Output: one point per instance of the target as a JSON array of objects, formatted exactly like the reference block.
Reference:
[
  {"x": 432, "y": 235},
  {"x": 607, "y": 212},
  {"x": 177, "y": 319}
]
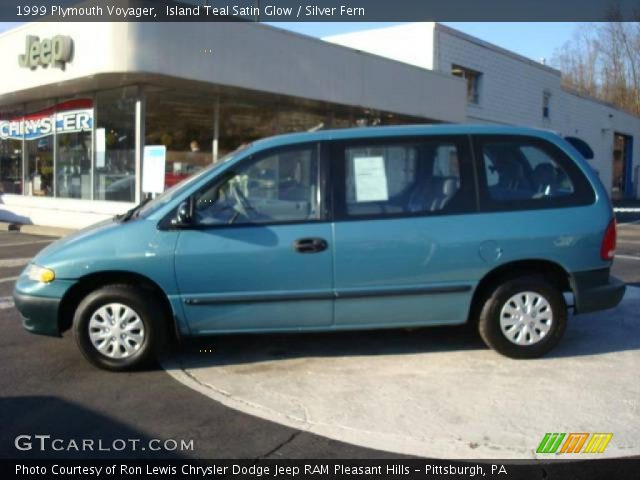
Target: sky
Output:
[{"x": 533, "y": 40}]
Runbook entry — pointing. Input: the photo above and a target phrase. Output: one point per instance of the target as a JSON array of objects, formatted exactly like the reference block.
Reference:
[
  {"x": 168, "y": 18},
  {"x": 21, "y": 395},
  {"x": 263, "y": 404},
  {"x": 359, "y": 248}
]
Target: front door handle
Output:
[{"x": 310, "y": 245}]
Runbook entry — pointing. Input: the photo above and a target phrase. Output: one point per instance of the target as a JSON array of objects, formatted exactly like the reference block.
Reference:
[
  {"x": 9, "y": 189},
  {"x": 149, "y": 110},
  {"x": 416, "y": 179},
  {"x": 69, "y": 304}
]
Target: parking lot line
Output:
[
  {"x": 632, "y": 242},
  {"x": 627, "y": 257},
  {"x": 6, "y": 302},
  {"x": 626, "y": 210},
  {"x": 20, "y": 244},
  {"x": 8, "y": 279},
  {"x": 14, "y": 262}
]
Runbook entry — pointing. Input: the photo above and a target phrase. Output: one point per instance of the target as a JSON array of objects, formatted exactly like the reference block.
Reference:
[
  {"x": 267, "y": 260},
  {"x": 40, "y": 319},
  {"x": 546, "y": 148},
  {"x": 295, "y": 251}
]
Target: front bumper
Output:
[
  {"x": 596, "y": 290},
  {"x": 39, "y": 314}
]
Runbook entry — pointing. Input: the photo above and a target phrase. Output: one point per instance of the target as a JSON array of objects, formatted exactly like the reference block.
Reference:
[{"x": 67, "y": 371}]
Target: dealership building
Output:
[{"x": 80, "y": 101}]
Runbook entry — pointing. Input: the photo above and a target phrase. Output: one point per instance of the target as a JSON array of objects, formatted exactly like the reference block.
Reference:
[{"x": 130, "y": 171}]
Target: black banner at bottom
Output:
[{"x": 318, "y": 469}]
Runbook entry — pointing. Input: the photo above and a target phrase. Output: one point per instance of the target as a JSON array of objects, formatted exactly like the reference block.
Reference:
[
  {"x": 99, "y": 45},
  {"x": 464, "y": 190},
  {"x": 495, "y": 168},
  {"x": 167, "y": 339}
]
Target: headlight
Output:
[{"x": 40, "y": 274}]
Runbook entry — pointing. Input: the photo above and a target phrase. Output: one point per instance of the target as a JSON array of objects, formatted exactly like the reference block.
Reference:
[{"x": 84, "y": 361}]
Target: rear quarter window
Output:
[{"x": 519, "y": 172}]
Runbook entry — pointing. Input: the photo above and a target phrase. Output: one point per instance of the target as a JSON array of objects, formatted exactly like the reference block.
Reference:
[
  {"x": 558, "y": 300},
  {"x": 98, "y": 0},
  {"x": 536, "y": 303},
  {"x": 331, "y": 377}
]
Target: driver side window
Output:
[{"x": 279, "y": 186}]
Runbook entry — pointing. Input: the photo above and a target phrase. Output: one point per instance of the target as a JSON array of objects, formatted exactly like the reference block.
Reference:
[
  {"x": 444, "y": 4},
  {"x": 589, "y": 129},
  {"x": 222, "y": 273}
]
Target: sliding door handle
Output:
[{"x": 310, "y": 245}]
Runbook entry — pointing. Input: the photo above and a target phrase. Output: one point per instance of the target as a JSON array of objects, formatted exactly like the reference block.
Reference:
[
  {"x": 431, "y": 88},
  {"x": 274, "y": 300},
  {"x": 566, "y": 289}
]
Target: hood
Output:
[{"x": 50, "y": 255}]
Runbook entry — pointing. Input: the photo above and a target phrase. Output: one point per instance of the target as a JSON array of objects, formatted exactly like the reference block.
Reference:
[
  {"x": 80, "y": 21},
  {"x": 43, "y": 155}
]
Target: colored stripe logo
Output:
[
  {"x": 574, "y": 442},
  {"x": 598, "y": 442}
]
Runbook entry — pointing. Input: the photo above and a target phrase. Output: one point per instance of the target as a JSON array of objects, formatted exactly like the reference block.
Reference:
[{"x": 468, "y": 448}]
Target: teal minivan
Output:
[{"x": 386, "y": 227}]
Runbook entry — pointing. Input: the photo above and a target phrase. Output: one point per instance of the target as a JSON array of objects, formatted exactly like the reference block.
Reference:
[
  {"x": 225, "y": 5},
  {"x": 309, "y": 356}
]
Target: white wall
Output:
[
  {"x": 98, "y": 48},
  {"x": 248, "y": 55},
  {"x": 57, "y": 212},
  {"x": 511, "y": 86},
  {"x": 416, "y": 39},
  {"x": 280, "y": 62},
  {"x": 596, "y": 123}
]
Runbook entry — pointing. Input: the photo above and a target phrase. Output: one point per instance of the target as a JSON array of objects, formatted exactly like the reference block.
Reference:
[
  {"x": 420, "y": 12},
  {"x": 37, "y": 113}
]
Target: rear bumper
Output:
[
  {"x": 39, "y": 314},
  {"x": 596, "y": 290}
]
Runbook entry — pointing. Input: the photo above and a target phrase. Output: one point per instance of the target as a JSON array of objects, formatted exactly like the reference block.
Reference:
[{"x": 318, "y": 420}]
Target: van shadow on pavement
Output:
[
  {"x": 255, "y": 348},
  {"x": 610, "y": 331}
]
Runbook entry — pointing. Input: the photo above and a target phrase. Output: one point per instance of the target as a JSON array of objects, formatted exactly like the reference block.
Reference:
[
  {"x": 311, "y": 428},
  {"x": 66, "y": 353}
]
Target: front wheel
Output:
[
  {"x": 523, "y": 317},
  {"x": 116, "y": 329}
]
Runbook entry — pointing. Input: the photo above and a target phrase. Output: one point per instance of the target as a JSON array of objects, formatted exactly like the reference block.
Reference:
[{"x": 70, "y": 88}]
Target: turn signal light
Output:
[{"x": 40, "y": 274}]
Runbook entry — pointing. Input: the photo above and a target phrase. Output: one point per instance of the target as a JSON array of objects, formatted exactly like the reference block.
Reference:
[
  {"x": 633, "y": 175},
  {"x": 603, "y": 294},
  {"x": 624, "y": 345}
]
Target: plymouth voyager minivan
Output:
[{"x": 386, "y": 227}]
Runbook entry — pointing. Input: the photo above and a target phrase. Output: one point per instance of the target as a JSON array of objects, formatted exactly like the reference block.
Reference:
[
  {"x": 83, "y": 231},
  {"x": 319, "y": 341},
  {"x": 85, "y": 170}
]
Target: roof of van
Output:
[{"x": 400, "y": 130}]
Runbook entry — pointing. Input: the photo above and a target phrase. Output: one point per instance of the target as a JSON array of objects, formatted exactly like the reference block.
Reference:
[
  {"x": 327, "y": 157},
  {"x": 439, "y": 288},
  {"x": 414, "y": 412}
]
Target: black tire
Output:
[
  {"x": 147, "y": 308},
  {"x": 489, "y": 321}
]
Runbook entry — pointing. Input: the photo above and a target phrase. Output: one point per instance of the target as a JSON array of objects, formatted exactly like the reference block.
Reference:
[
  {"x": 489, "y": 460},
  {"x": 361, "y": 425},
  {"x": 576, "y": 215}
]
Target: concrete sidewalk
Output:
[
  {"x": 432, "y": 392},
  {"x": 36, "y": 229}
]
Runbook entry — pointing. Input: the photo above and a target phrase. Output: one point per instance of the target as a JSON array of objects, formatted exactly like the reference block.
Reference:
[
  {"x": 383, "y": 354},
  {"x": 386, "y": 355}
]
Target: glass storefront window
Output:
[
  {"x": 74, "y": 165},
  {"x": 74, "y": 130},
  {"x": 182, "y": 122},
  {"x": 39, "y": 174},
  {"x": 84, "y": 148},
  {"x": 57, "y": 148},
  {"x": 58, "y": 142},
  {"x": 38, "y": 127},
  {"x": 10, "y": 151},
  {"x": 115, "y": 160}
]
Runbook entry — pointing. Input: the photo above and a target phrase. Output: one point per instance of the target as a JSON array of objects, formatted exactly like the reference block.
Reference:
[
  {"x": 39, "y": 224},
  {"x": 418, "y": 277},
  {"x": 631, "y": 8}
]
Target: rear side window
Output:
[
  {"x": 406, "y": 177},
  {"x": 523, "y": 172}
]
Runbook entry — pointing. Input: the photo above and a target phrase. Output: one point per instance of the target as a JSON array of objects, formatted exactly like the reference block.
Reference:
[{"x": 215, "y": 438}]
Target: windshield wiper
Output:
[{"x": 130, "y": 213}]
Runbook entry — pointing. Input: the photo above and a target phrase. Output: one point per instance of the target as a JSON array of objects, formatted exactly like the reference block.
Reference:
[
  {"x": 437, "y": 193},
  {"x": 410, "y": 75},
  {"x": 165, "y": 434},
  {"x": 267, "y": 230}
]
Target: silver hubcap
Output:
[
  {"x": 526, "y": 318},
  {"x": 116, "y": 330}
]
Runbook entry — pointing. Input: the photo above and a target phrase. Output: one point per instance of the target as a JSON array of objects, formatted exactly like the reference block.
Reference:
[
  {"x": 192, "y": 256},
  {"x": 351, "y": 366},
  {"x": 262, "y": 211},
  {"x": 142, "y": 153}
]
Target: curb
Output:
[
  {"x": 8, "y": 227},
  {"x": 36, "y": 229}
]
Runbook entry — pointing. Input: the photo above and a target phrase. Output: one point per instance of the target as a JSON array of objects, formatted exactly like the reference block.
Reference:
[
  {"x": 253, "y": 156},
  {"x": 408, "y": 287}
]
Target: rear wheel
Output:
[
  {"x": 523, "y": 317},
  {"x": 119, "y": 327}
]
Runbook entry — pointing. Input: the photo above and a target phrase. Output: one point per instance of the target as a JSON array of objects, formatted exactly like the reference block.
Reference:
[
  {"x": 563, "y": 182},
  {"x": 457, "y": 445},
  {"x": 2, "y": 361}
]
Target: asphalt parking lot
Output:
[{"x": 305, "y": 396}]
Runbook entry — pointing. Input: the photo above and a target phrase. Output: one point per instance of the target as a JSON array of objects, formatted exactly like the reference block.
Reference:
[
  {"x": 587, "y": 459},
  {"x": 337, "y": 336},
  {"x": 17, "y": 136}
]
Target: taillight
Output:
[{"x": 608, "y": 247}]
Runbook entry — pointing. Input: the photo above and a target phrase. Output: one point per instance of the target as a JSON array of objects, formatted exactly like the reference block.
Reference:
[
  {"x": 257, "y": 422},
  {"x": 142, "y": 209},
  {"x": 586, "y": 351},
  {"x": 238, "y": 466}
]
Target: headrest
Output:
[
  {"x": 544, "y": 174},
  {"x": 449, "y": 186}
]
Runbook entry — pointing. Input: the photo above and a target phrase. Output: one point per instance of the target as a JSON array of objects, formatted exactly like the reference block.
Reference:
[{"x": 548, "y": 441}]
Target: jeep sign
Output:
[{"x": 56, "y": 51}]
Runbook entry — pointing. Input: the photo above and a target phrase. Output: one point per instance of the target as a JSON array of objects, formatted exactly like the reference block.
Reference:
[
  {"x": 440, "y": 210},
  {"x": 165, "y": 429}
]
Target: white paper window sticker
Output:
[
  {"x": 101, "y": 147},
  {"x": 371, "y": 179},
  {"x": 153, "y": 168}
]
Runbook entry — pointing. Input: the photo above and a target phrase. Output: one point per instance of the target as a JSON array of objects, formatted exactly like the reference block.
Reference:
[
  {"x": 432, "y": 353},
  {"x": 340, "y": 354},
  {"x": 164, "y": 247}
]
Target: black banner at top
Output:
[{"x": 318, "y": 10}]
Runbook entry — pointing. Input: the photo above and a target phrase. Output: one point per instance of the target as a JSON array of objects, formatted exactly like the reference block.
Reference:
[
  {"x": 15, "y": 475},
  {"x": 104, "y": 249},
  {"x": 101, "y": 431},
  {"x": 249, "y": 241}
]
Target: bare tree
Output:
[
  {"x": 603, "y": 60},
  {"x": 578, "y": 61}
]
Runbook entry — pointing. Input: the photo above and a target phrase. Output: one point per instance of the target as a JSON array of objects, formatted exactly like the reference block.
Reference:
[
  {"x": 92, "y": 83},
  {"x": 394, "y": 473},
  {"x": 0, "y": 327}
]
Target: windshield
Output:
[{"x": 176, "y": 190}]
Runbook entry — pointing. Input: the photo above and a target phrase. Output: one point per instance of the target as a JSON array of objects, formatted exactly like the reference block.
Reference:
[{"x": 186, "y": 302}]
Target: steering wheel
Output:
[{"x": 242, "y": 204}]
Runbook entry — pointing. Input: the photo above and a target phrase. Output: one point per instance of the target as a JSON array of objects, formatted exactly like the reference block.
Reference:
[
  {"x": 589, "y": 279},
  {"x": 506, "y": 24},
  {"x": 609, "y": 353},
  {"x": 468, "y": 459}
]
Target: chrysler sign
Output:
[
  {"x": 71, "y": 116},
  {"x": 56, "y": 51}
]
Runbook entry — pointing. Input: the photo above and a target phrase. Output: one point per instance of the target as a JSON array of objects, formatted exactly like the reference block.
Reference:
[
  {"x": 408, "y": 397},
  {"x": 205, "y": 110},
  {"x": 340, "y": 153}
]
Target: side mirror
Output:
[{"x": 183, "y": 214}]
